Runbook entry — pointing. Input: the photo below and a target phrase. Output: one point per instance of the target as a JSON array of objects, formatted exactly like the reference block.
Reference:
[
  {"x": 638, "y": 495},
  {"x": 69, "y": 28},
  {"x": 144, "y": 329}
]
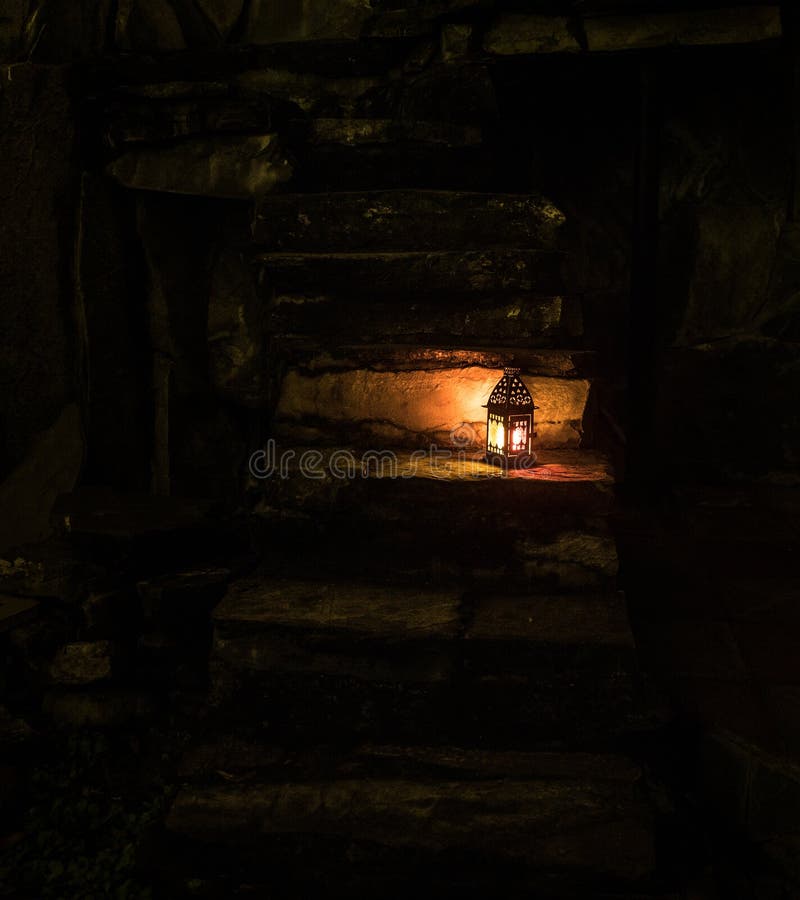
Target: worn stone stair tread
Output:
[
  {"x": 391, "y": 611},
  {"x": 423, "y": 272},
  {"x": 436, "y": 513},
  {"x": 355, "y": 132},
  {"x": 562, "y": 620},
  {"x": 358, "y": 609},
  {"x": 561, "y": 824},
  {"x": 462, "y": 472},
  {"x": 310, "y": 354},
  {"x": 518, "y": 322},
  {"x": 230, "y": 756},
  {"x": 403, "y": 220},
  {"x": 399, "y": 634}
]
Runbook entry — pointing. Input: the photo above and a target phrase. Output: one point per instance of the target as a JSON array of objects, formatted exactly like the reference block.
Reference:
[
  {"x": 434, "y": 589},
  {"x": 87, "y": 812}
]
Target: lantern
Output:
[{"x": 509, "y": 421}]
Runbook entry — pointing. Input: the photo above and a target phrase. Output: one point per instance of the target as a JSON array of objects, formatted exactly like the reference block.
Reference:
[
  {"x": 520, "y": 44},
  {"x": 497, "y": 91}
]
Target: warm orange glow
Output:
[
  {"x": 518, "y": 438},
  {"x": 395, "y": 408}
]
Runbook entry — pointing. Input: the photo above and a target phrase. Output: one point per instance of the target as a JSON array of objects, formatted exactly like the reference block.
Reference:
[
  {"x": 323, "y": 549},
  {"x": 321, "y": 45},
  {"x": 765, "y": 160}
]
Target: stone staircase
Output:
[{"x": 430, "y": 677}]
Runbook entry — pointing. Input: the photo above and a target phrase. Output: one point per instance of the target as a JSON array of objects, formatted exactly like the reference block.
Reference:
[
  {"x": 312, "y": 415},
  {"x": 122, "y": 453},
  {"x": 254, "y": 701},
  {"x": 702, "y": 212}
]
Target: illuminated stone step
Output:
[
  {"x": 405, "y": 220},
  {"x": 390, "y": 396},
  {"x": 582, "y": 823},
  {"x": 413, "y": 274},
  {"x": 444, "y": 482},
  {"x": 430, "y": 516}
]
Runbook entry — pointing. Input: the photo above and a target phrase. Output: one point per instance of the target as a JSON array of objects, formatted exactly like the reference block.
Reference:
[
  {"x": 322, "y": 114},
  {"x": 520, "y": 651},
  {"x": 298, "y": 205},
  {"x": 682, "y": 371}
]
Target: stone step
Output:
[
  {"x": 450, "y": 163},
  {"x": 427, "y": 514},
  {"x": 402, "y": 662},
  {"x": 313, "y": 354},
  {"x": 401, "y": 396},
  {"x": 16, "y": 611},
  {"x": 452, "y": 273},
  {"x": 516, "y": 321},
  {"x": 285, "y": 625},
  {"x": 231, "y": 167},
  {"x": 225, "y": 756},
  {"x": 516, "y": 33},
  {"x": 361, "y": 132},
  {"x": 380, "y": 221},
  {"x": 581, "y": 822}
]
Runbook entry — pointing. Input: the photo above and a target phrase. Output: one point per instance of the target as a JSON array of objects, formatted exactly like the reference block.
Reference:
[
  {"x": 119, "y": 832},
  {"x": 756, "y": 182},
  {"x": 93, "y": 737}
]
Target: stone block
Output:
[
  {"x": 456, "y": 41},
  {"x": 406, "y": 220},
  {"x": 82, "y": 663},
  {"x": 691, "y": 27},
  {"x": 227, "y": 167},
  {"x": 317, "y": 96},
  {"x": 97, "y": 709},
  {"x": 223, "y": 14},
  {"x": 512, "y": 34},
  {"x": 286, "y": 21},
  {"x": 396, "y": 409},
  {"x": 600, "y": 831},
  {"x": 524, "y": 320},
  {"x": 236, "y": 333},
  {"x": 415, "y": 273},
  {"x": 575, "y": 560},
  {"x": 372, "y": 131}
]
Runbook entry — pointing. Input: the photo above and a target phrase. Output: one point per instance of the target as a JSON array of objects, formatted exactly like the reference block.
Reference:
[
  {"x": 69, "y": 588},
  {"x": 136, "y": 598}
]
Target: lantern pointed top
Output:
[{"x": 511, "y": 391}]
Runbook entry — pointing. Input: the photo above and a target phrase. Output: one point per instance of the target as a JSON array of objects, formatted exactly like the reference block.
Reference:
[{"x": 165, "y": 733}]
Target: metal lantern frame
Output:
[{"x": 510, "y": 421}]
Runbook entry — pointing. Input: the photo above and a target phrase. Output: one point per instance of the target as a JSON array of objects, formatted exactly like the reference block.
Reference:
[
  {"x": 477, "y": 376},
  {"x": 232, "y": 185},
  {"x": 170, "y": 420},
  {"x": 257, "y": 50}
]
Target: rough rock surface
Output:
[
  {"x": 271, "y": 22},
  {"x": 513, "y": 34},
  {"x": 514, "y": 820},
  {"x": 219, "y": 167},
  {"x": 236, "y": 332},
  {"x": 688, "y": 27},
  {"x": 148, "y": 25},
  {"x": 577, "y": 559},
  {"x": 85, "y": 662},
  {"x": 416, "y": 273},
  {"x": 406, "y": 220},
  {"x": 399, "y": 408},
  {"x": 38, "y": 191},
  {"x": 51, "y": 467}
]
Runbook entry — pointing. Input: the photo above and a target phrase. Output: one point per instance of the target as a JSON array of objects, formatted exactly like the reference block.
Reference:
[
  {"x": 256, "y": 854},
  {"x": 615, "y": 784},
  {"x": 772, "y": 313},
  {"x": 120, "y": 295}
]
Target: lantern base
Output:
[{"x": 520, "y": 461}]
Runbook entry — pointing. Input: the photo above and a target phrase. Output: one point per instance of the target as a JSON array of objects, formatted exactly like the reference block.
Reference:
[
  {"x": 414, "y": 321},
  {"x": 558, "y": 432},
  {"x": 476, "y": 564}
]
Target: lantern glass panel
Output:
[
  {"x": 519, "y": 428},
  {"x": 496, "y": 439}
]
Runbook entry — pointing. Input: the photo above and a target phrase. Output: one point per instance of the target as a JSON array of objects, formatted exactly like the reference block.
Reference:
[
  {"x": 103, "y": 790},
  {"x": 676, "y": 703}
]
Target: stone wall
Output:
[{"x": 728, "y": 290}]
